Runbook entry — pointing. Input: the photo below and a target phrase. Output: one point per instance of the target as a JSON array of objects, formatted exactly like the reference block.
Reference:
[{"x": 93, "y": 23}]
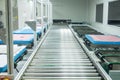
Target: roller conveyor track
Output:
[{"x": 60, "y": 57}]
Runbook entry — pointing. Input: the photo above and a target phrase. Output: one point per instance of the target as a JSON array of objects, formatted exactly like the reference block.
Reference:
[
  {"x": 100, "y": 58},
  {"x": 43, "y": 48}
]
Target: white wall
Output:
[
  {"x": 70, "y": 9},
  {"x": 38, "y": 10},
  {"x": 2, "y": 8},
  {"x": 25, "y": 11},
  {"x": 4, "y": 17},
  {"x": 102, "y": 27}
]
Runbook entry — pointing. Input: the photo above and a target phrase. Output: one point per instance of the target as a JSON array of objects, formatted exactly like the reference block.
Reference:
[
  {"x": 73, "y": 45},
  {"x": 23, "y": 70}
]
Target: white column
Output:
[
  {"x": 51, "y": 17},
  {"x": 48, "y": 12},
  {"x": 35, "y": 18},
  {"x": 42, "y": 22},
  {"x": 9, "y": 38},
  {"x": 105, "y": 13}
]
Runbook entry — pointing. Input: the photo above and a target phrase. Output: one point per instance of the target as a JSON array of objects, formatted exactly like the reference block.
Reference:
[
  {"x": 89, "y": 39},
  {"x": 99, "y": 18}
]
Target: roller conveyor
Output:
[{"x": 60, "y": 57}]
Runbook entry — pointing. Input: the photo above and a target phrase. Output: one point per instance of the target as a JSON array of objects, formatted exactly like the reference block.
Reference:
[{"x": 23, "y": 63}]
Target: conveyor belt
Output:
[{"x": 60, "y": 57}]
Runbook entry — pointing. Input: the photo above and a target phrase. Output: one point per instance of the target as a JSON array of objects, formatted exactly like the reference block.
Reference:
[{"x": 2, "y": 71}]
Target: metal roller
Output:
[
  {"x": 59, "y": 61},
  {"x": 60, "y": 64},
  {"x": 62, "y": 67},
  {"x": 61, "y": 74},
  {"x": 65, "y": 78},
  {"x": 60, "y": 71}
]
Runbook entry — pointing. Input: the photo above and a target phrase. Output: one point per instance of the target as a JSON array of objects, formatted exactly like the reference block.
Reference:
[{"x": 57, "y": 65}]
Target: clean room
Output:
[{"x": 59, "y": 39}]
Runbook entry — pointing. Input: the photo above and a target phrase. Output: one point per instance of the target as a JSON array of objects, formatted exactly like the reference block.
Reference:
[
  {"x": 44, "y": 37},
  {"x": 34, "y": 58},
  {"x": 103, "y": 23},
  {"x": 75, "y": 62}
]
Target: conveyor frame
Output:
[
  {"x": 18, "y": 77},
  {"x": 92, "y": 56}
]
